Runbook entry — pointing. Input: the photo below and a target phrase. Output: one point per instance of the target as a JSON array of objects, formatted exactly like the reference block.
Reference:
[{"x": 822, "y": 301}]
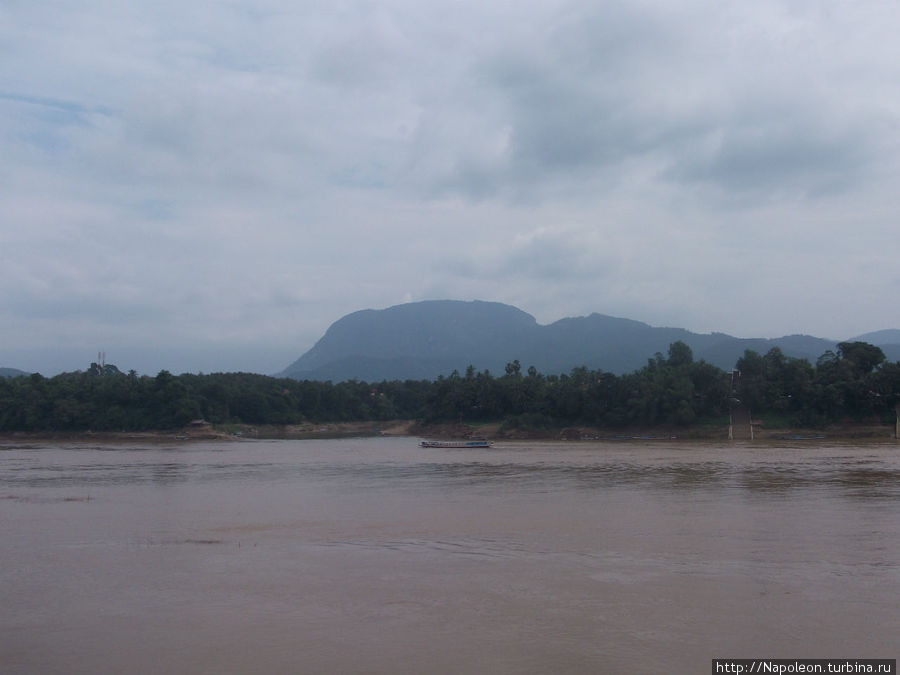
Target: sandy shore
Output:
[{"x": 400, "y": 428}]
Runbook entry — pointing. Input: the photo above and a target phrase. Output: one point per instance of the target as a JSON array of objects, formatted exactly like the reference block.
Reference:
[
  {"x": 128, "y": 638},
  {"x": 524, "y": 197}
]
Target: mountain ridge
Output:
[{"x": 424, "y": 340}]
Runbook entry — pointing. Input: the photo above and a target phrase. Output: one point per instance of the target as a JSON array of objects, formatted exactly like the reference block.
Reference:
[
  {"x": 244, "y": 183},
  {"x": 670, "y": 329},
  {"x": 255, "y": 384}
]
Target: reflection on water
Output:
[{"x": 374, "y": 555}]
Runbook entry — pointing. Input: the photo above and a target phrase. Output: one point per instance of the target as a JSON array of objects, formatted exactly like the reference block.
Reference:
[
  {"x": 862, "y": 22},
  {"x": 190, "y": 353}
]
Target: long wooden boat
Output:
[{"x": 479, "y": 443}]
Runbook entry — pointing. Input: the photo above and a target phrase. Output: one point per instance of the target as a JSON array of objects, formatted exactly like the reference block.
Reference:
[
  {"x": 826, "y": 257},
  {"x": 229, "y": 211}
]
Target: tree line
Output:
[{"x": 853, "y": 383}]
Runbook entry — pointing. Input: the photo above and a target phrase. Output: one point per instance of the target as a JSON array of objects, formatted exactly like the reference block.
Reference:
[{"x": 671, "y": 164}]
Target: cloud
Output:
[
  {"x": 707, "y": 96},
  {"x": 242, "y": 174}
]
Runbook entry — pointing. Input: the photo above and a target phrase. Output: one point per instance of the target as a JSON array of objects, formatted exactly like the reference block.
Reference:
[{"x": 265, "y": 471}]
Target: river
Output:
[{"x": 377, "y": 556}]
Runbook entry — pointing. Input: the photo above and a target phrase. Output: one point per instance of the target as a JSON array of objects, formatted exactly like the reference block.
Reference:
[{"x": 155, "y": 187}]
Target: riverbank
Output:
[
  {"x": 494, "y": 431},
  {"x": 846, "y": 431}
]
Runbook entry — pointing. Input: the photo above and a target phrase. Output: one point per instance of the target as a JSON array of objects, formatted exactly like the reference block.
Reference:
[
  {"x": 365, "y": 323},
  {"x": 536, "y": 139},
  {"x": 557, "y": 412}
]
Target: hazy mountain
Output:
[
  {"x": 11, "y": 372},
  {"x": 890, "y": 336},
  {"x": 414, "y": 341},
  {"x": 425, "y": 339}
]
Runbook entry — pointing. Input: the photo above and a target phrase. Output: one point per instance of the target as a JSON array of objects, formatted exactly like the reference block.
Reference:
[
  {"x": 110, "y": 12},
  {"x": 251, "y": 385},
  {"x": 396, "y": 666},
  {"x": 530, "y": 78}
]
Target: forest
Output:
[{"x": 854, "y": 383}]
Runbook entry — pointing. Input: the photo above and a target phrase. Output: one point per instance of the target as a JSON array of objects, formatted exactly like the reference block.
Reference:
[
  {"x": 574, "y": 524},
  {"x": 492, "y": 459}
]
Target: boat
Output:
[{"x": 474, "y": 443}]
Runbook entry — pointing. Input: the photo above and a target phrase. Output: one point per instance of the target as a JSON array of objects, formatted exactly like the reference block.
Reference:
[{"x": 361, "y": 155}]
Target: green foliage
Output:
[
  {"x": 861, "y": 356},
  {"x": 854, "y": 383}
]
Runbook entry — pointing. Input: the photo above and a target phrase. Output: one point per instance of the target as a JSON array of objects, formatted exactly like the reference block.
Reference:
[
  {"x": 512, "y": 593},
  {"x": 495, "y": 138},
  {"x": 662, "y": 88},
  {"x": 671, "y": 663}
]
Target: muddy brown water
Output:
[{"x": 377, "y": 556}]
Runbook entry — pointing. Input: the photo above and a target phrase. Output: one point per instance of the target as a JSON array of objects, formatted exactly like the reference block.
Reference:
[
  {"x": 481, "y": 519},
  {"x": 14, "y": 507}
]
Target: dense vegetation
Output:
[{"x": 854, "y": 383}]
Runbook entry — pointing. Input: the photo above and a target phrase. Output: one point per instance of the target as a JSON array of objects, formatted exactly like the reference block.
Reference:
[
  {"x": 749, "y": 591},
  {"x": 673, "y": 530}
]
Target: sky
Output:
[{"x": 206, "y": 186}]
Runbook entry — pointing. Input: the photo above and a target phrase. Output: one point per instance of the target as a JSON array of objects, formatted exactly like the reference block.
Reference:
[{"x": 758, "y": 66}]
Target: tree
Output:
[
  {"x": 752, "y": 386},
  {"x": 680, "y": 354},
  {"x": 863, "y": 356}
]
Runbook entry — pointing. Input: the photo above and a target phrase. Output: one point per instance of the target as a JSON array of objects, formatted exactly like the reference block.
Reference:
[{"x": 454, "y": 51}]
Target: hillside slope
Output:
[{"x": 425, "y": 339}]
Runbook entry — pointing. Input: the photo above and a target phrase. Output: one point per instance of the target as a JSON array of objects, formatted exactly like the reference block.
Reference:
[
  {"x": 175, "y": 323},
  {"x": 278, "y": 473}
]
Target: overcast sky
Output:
[{"x": 208, "y": 185}]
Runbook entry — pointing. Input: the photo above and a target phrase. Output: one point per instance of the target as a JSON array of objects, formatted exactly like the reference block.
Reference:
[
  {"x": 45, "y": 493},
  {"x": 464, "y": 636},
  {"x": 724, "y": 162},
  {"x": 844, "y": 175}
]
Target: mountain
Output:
[
  {"x": 425, "y": 339},
  {"x": 11, "y": 372},
  {"x": 891, "y": 336},
  {"x": 414, "y": 341}
]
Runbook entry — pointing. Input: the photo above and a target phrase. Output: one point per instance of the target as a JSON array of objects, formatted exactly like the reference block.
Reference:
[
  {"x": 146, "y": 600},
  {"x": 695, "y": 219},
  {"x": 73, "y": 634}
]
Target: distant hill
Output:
[
  {"x": 425, "y": 339},
  {"x": 891, "y": 336},
  {"x": 414, "y": 341},
  {"x": 11, "y": 372}
]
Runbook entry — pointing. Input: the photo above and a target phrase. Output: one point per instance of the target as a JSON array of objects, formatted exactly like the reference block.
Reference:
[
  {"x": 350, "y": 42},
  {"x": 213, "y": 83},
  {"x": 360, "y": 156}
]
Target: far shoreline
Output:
[{"x": 855, "y": 432}]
